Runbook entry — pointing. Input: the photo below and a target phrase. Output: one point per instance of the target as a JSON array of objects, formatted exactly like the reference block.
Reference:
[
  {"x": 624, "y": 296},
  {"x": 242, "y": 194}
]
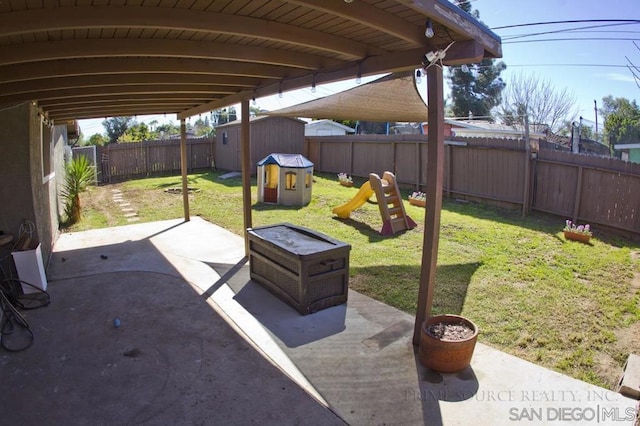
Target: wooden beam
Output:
[
  {"x": 183, "y": 169},
  {"x": 397, "y": 61},
  {"x": 117, "y": 99},
  {"x": 104, "y": 48},
  {"x": 245, "y": 154},
  {"x": 457, "y": 20},
  {"x": 435, "y": 172},
  {"x": 178, "y": 19},
  {"x": 130, "y": 65},
  {"x": 217, "y": 104},
  {"x": 370, "y": 16},
  {"x": 234, "y": 84},
  {"x": 464, "y": 52},
  {"x": 210, "y": 91}
]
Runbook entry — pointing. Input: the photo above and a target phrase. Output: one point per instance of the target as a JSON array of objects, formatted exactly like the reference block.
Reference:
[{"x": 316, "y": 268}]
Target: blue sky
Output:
[{"x": 546, "y": 59}]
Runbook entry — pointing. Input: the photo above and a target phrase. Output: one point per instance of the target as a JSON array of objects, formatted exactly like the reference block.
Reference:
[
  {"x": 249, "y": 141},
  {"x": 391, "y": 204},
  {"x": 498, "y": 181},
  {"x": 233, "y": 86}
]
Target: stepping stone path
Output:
[{"x": 129, "y": 212}]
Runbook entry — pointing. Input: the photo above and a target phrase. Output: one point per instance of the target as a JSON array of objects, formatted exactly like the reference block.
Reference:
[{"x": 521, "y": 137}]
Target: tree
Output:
[
  {"x": 165, "y": 130},
  {"x": 475, "y": 89},
  {"x": 621, "y": 120},
  {"x": 116, "y": 126},
  {"x": 222, "y": 116},
  {"x": 202, "y": 127},
  {"x": 97, "y": 139},
  {"x": 137, "y": 132},
  {"x": 539, "y": 100}
]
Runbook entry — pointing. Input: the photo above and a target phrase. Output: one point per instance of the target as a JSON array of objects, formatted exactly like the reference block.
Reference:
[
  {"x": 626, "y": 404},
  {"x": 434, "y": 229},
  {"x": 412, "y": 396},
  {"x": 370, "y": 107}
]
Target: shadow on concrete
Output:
[
  {"x": 236, "y": 276},
  {"x": 170, "y": 359},
  {"x": 285, "y": 322},
  {"x": 282, "y": 320},
  {"x": 435, "y": 387}
]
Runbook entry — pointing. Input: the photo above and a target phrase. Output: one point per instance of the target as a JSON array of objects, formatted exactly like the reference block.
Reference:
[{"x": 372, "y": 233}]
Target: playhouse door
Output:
[
  {"x": 271, "y": 195},
  {"x": 271, "y": 183}
]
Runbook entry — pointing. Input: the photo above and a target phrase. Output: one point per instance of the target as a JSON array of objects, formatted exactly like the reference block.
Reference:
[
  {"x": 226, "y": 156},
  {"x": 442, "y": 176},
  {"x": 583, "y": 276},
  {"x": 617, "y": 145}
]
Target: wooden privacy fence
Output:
[
  {"x": 137, "y": 159},
  {"x": 585, "y": 188}
]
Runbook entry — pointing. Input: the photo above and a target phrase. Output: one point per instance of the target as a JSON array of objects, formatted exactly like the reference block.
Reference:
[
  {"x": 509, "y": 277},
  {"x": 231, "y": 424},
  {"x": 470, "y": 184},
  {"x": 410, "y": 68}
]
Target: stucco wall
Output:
[
  {"x": 15, "y": 191},
  {"x": 25, "y": 194}
]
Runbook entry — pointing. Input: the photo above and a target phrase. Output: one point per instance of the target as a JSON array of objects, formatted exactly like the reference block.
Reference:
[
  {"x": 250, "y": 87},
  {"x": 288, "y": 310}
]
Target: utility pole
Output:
[{"x": 595, "y": 108}]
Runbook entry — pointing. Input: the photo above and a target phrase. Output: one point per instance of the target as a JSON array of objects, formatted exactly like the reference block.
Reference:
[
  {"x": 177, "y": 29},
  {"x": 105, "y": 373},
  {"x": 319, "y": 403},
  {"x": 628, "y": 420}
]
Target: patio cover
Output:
[{"x": 390, "y": 98}]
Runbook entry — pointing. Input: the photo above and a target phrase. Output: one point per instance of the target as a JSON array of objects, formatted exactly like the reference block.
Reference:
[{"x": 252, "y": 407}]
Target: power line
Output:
[
  {"x": 554, "y": 65},
  {"x": 573, "y": 21},
  {"x": 574, "y": 39},
  {"x": 572, "y": 30}
]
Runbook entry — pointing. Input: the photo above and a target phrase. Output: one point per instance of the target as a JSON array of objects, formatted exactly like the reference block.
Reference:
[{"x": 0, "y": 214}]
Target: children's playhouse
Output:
[{"x": 285, "y": 179}]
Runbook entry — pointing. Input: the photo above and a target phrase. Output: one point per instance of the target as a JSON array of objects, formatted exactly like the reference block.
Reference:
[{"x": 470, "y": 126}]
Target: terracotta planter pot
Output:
[
  {"x": 576, "y": 236},
  {"x": 416, "y": 202},
  {"x": 345, "y": 183},
  {"x": 446, "y": 356}
]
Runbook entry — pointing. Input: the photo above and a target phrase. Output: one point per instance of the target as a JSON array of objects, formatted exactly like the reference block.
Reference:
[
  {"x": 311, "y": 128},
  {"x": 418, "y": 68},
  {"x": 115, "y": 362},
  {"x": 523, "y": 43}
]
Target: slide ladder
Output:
[{"x": 394, "y": 216}]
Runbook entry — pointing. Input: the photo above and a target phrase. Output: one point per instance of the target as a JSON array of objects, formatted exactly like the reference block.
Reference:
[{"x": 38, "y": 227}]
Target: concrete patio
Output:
[{"x": 200, "y": 343}]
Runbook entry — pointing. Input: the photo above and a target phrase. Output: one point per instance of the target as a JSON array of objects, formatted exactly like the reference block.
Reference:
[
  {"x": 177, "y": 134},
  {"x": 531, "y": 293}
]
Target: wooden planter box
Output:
[
  {"x": 306, "y": 269},
  {"x": 416, "y": 202},
  {"x": 576, "y": 236}
]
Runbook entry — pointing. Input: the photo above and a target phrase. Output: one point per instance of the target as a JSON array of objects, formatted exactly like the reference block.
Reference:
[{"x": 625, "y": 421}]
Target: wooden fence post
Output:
[{"x": 578, "y": 195}]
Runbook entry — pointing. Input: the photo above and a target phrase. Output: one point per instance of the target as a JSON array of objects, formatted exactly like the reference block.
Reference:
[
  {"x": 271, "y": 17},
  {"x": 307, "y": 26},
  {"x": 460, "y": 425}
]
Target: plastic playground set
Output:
[{"x": 394, "y": 216}]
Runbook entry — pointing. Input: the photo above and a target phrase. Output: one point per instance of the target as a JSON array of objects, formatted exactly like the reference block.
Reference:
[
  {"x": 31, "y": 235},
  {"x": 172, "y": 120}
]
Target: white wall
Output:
[{"x": 323, "y": 129}]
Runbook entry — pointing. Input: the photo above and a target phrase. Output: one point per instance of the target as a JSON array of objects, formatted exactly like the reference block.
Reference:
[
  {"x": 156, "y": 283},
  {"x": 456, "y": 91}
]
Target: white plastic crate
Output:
[{"x": 30, "y": 269}]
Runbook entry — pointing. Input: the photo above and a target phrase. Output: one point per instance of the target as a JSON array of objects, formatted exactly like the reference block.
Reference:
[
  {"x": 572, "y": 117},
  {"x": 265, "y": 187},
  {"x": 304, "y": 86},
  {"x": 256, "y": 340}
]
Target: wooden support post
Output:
[
  {"x": 418, "y": 168},
  {"x": 183, "y": 169},
  {"x": 527, "y": 166},
  {"x": 578, "y": 198},
  {"x": 435, "y": 172},
  {"x": 245, "y": 154},
  {"x": 448, "y": 157},
  {"x": 351, "y": 157}
]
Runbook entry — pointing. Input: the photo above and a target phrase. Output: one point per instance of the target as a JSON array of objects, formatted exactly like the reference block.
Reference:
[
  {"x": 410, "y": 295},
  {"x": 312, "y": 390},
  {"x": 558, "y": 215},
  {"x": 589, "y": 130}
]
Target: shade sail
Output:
[{"x": 390, "y": 98}]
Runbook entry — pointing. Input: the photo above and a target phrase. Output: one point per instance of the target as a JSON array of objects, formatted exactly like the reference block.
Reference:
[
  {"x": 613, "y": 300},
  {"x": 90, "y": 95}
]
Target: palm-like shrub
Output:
[{"x": 78, "y": 175}]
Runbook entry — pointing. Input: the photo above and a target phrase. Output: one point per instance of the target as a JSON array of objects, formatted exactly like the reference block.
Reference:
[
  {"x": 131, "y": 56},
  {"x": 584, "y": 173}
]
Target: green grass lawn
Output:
[{"x": 565, "y": 305}]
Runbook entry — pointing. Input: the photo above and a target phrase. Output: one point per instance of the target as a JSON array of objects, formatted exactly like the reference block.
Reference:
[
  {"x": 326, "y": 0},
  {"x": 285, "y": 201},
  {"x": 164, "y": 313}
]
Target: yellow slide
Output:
[{"x": 344, "y": 211}]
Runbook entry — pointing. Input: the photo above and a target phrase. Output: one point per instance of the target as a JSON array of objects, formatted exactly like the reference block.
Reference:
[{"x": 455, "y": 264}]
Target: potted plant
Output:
[
  {"x": 447, "y": 343},
  {"x": 345, "y": 179},
  {"x": 418, "y": 198},
  {"x": 575, "y": 232}
]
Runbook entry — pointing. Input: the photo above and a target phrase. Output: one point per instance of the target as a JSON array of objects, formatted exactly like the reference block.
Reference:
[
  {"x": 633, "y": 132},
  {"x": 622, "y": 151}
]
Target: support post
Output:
[
  {"x": 435, "y": 172},
  {"x": 245, "y": 154},
  {"x": 183, "y": 169},
  {"x": 527, "y": 165}
]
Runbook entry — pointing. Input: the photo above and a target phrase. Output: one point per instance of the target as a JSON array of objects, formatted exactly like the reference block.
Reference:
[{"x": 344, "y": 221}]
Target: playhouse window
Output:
[
  {"x": 307, "y": 180},
  {"x": 290, "y": 181},
  {"x": 225, "y": 138}
]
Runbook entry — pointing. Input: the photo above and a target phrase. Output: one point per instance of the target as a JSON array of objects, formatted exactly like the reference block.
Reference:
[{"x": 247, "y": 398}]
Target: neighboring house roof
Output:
[
  {"x": 256, "y": 118},
  {"x": 190, "y": 135},
  {"x": 486, "y": 128},
  {"x": 627, "y": 146},
  {"x": 293, "y": 161},
  {"x": 325, "y": 121}
]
